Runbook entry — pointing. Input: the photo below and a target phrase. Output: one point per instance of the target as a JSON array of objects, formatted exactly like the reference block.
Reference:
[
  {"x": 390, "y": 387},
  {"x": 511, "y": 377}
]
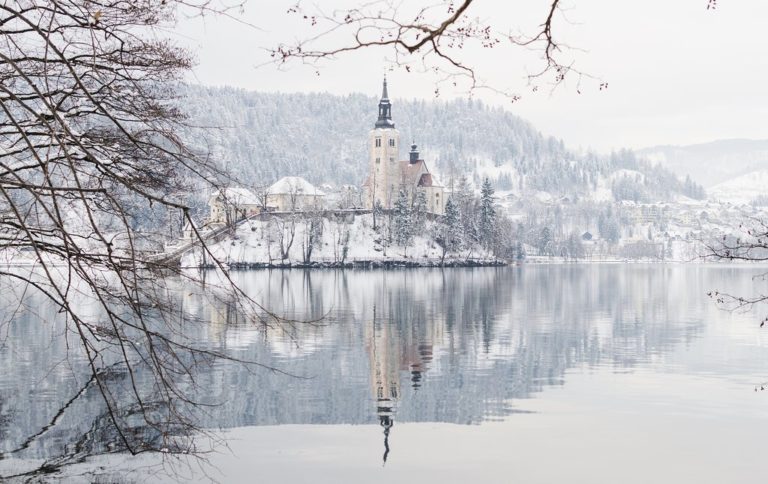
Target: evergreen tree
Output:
[
  {"x": 519, "y": 251},
  {"x": 448, "y": 230},
  {"x": 545, "y": 242},
  {"x": 608, "y": 226},
  {"x": 487, "y": 223},
  {"x": 465, "y": 202},
  {"x": 403, "y": 223},
  {"x": 419, "y": 212},
  {"x": 575, "y": 247}
]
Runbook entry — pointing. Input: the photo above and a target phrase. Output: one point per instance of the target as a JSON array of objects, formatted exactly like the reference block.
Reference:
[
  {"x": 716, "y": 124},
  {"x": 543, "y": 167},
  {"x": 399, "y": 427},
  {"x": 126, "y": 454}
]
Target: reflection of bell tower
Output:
[
  {"x": 383, "y": 351},
  {"x": 396, "y": 347}
]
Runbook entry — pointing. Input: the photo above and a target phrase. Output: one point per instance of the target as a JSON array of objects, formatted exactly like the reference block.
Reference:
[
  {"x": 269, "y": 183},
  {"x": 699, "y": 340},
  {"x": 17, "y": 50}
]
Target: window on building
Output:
[
  {"x": 391, "y": 159},
  {"x": 392, "y": 142},
  {"x": 378, "y": 160},
  {"x": 378, "y": 142}
]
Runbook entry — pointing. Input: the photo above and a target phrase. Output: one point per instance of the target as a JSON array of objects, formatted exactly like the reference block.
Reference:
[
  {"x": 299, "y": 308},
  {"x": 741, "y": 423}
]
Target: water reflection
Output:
[{"x": 459, "y": 345}]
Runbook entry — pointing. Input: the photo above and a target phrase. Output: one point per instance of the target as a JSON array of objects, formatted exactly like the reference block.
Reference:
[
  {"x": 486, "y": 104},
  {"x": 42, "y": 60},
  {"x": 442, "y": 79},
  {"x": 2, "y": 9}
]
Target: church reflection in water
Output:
[
  {"x": 459, "y": 346},
  {"x": 388, "y": 361}
]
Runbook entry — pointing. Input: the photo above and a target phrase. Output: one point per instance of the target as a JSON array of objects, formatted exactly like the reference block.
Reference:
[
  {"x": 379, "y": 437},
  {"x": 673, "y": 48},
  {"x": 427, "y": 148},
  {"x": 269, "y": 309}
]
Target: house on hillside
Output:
[{"x": 294, "y": 194}]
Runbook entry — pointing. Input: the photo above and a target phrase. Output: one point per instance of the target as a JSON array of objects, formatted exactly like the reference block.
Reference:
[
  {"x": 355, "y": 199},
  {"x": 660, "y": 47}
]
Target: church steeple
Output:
[{"x": 385, "y": 109}]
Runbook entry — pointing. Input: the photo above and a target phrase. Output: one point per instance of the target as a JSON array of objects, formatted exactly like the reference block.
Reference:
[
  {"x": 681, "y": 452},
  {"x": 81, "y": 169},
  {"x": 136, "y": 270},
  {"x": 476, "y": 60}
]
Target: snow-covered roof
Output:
[
  {"x": 238, "y": 196},
  {"x": 290, "y": 185}
]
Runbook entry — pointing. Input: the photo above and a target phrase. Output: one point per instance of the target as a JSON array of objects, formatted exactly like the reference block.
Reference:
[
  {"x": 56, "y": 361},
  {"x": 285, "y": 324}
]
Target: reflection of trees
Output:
[
  {"x": 83, "y": 426},
  {"x": 457, "y": 345}
]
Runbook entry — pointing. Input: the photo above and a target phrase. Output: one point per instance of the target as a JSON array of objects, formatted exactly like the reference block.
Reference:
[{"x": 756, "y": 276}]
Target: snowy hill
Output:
[
  {"x": 264, "y": 136},
  {"x": 711, "y": 163},
  {"x": 743, "y": 189},
  {"x": 323, "y": 138}
]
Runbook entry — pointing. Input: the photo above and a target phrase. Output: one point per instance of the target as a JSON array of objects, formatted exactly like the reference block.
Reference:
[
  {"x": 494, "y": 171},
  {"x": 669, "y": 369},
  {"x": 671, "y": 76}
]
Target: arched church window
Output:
[{"x": 378, "y": 142}]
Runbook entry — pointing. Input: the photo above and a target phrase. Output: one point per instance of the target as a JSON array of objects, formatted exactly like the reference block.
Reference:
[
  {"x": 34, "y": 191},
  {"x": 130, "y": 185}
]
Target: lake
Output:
[{"x": 540, "y": 373}]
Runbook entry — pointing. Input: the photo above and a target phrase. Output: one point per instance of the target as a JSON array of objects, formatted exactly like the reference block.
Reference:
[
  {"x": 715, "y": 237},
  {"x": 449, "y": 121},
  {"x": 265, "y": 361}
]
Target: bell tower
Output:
[{"x": 384, "y": 150}]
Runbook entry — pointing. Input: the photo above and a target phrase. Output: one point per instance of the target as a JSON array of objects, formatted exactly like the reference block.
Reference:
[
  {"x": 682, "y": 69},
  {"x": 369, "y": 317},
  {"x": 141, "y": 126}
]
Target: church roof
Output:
[
  {"x": 290, "y": 185},
  {"x": 416, "y": 173},
  {"x": 425, "y": 180}
]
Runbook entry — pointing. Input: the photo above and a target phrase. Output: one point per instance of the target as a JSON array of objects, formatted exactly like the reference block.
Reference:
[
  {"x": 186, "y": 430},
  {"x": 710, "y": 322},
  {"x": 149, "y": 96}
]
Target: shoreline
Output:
[{"x": 361, "y": 264}]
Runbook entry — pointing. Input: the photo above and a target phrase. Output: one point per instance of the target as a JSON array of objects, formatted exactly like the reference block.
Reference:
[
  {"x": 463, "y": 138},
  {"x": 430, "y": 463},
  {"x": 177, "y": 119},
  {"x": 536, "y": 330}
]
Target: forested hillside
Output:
[{"x": 261, "y": 137}]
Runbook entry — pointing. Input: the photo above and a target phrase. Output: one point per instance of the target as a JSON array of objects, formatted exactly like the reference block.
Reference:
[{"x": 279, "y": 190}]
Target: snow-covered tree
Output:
[
  {"x": 419, "y": 212},
  {"x": 466, "y": 203},
  {"x": 574, "y": 246},
  {"x": 545, "y": 242},
  {"x": 448, "y": 232},
  {"x": 93, "y": 146},
  {"x": 487, "y": 219},
  {"x": 403, "y": 221},
  {"x": 608, "y": 226}
]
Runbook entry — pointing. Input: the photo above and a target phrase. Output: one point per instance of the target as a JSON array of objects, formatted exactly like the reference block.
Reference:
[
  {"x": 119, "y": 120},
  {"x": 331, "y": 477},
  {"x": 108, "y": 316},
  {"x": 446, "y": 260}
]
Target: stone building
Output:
[
  {"x": 294, "y": 194},
  {"x": 387, "y": 174},
  {"x": 232, "y": 204}
]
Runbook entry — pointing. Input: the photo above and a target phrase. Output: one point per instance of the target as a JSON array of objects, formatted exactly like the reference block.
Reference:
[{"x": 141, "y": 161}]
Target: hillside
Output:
[
  {"x": 261, "y": 137},
  {"x": 711, "y": 163},
  {"x": 746, "y": 188}
]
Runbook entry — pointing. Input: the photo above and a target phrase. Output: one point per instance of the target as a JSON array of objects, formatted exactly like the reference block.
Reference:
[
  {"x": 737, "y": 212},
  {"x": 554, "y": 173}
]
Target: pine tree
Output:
[
  {"x": 519, "y": 251},
  {"x": 448, "y": 230},
  {"x": 487, "y": 224},
  {"x": 545, "y": 242},
  {"x": 464, "y": 200},
  {"x": 403, "y": 229},
  {"x": 575, "y": 247},
  {"x": 419, "y": 212},
  {"x": 608, "y": 227}
]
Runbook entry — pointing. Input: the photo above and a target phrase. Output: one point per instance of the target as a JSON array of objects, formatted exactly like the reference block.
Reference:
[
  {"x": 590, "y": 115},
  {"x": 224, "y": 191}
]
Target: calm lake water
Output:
[{"x": 561, "y": 373}]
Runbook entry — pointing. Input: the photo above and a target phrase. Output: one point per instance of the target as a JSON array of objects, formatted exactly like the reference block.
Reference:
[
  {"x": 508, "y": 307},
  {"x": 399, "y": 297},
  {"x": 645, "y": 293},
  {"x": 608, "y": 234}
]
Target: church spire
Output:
[
  {"x": 384, "y": 93},
  {"x": 385, "y": 109}
]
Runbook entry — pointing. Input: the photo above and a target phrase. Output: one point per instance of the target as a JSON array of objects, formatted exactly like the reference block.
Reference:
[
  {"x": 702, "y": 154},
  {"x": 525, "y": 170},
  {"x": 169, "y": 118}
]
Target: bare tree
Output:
[
  {"x": 750, "y": 244},
  {"x": 432, "y": 37},
  {"x": 314, "y": 223},
  {"x": 89, "y": 151},
  {"x": 286, "y": 233}
]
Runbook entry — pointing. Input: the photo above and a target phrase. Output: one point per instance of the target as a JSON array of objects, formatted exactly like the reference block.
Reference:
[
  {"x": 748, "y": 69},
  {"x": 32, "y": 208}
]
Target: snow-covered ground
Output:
[
  {"x": 742, "y": 189},
  {"x": 349, "y": 238}
]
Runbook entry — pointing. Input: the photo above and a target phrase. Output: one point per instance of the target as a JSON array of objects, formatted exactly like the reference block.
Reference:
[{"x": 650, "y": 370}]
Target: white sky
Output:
[{"x": 677, "y": 73}]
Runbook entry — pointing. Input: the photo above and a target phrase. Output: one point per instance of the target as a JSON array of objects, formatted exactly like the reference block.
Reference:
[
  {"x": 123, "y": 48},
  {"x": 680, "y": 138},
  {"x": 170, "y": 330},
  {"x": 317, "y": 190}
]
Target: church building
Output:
[{"x": 387, "y": 174}]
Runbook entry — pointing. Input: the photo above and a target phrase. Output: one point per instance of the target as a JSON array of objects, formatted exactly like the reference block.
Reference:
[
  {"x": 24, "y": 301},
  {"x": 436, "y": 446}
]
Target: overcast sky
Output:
[{"x": 677, "y": 73}]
